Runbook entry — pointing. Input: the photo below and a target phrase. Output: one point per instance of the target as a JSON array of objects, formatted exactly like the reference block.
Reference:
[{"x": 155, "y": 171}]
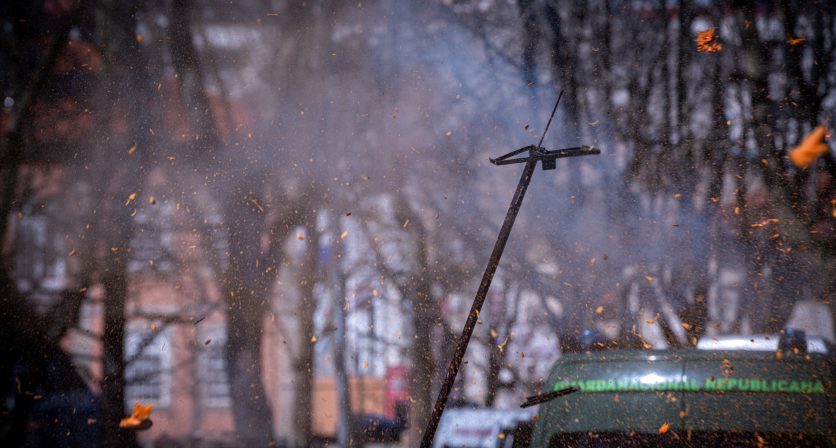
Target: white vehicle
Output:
[
  {"x": 757, "y": 343},
  {"x": 479, "y": 427}
]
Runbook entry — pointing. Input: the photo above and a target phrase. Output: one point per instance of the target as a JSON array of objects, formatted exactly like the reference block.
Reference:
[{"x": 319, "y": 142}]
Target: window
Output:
[
  {"x": 40, "y": 264},
  {"x": 152, "y": 242},
  {"x": 148, "y": 372},
  {"x": 214, "y": 382}
]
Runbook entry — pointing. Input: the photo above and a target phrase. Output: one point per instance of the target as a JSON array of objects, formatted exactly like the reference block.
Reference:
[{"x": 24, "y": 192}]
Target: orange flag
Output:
[{"x": 810, "y": 149}]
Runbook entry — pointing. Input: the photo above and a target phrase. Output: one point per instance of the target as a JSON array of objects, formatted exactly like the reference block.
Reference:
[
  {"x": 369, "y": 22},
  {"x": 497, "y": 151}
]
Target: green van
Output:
[{"x": 731, "y": 391}]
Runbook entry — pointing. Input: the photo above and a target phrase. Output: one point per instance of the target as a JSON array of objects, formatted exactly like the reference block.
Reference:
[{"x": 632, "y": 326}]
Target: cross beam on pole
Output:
[{"x": 535, "y": 154}]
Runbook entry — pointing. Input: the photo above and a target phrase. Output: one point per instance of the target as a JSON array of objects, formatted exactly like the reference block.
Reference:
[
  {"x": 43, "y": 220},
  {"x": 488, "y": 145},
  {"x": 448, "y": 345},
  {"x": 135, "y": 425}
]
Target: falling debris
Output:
[
  {"x": 254, "y": 202},
  {"x": 344, "y": 234},
  {"x": 726, "y": 368},
  {"x": 130, "y": 199},
  {"x": 140, "y": 418},
  {"x": 664, "y": 428},
  {"x": 599, "y": 310},
  {"x": 501, "y": 347},
  {"x": 795, "y": 41},
  {"x": 810, "y": 149},
  {"x": 766, "y": 222},
  {"x": 707, "y": 41}
]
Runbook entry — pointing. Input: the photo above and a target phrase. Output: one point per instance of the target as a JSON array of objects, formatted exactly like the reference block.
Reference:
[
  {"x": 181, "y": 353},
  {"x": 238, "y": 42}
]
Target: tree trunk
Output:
[
  {"x": 791, "y": 268},
  {"x": 11, "y": 142},
  {"x": 307, "y": 306},
  {"x": 187, "y": 65},
  {"x": 113, "y": 384},
  {"x": 345, "y": 435},
  {"x": 124, "y": 86},
  {"x": 425, "y": 316},
  {"x": 14, "y": 310},
  {"x": 423, "y": 366},
  {"x": 247, "y": 284},
  {"x": 683, "y": 52},
  {"x": 494, "y": 366},
  {"x": 246, "y": 289},
  {"x": 531, "y": 35}
]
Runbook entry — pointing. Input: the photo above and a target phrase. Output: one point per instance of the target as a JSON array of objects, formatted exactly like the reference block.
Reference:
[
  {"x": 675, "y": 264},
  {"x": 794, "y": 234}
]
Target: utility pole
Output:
[{"x": 535, "y": 154}]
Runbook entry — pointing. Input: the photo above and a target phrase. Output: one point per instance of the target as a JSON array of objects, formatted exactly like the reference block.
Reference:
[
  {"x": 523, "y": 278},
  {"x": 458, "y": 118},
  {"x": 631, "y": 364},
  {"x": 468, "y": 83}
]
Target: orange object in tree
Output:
[
  {"x": 810, "y": 149},
  {"x": 140, "y": 418}
]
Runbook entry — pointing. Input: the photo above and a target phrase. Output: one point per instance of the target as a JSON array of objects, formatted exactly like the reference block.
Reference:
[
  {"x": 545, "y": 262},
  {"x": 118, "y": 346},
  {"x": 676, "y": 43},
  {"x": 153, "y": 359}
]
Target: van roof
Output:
[
  {"x": 678, "y": 355},
  {"x": 756, "y": 342}
]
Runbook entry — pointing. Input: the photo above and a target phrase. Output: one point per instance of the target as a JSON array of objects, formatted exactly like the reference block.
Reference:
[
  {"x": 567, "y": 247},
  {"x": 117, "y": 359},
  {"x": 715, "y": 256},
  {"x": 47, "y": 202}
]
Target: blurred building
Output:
[{"x": 176, "y": 334}]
